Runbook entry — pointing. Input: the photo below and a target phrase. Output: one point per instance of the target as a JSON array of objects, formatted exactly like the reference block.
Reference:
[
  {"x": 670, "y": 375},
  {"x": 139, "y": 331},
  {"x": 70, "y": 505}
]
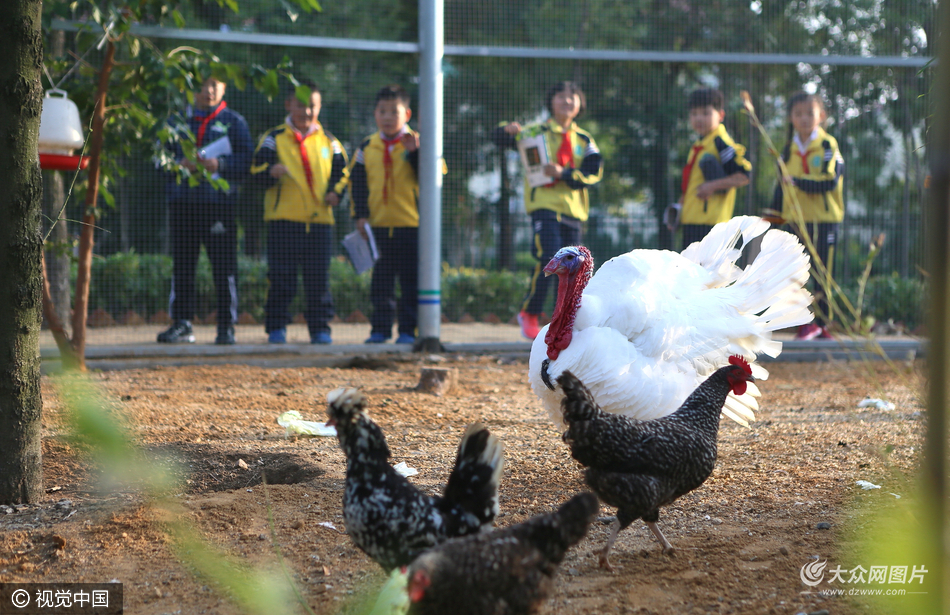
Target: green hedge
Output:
[
  {"x": 141, "y": 283},
  {"x": 903, "y": 300}
]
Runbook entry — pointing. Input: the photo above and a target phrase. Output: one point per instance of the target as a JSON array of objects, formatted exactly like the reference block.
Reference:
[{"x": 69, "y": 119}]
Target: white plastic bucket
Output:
[{"x": 60, "y": 126}]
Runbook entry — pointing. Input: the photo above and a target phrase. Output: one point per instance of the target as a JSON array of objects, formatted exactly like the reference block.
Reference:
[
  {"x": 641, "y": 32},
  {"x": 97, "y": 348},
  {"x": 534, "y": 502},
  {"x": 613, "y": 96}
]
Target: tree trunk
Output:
[
  {"x": 54, "y": 199},
  {"x": 57, "y": 254},
  {"x": 21, "y": 249},
  {"x": 87, "y": 234}
]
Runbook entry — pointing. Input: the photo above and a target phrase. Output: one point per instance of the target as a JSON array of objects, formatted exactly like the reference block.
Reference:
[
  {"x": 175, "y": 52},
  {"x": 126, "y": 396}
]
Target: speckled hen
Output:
[
  {"x": 639, "y": 466},
  {"x": 389, "y": 518},
  {"x": 506, "y": 572}
]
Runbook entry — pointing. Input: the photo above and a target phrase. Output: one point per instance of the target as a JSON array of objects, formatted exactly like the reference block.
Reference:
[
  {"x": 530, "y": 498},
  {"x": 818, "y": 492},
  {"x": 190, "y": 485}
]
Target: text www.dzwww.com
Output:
[{"x": 855, "y": 591}]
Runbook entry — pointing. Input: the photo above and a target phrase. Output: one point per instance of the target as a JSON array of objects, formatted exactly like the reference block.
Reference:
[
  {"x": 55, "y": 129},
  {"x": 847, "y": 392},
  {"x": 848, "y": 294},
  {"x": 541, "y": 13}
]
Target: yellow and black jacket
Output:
[
  {"x": 391, "y": 201},
  {"x": 568, "y": 194},
  {"x": 293, "y": 197},
  {"x": 718, "y": 207},
  {"x": 819, "y": 191}
]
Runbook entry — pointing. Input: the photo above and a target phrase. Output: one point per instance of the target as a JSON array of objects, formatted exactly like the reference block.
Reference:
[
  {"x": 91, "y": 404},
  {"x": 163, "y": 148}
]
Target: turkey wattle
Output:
[{"x": 651, "y": 325}]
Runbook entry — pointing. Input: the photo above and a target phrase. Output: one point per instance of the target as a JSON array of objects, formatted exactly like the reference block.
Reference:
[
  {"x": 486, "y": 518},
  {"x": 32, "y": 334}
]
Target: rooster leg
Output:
[
  {"x": 605, "y": 554},
  {"x": 667, "y": 547}
]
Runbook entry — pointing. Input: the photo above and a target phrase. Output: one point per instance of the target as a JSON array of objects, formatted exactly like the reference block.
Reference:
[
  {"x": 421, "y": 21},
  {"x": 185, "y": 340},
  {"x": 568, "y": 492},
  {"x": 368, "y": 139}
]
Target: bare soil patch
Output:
[{"x": 741, "y": 539}]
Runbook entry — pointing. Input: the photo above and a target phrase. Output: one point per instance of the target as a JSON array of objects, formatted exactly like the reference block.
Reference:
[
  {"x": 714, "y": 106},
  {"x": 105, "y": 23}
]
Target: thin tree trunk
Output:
[
  {"x": 66, "y": 352},
  {"x": 57, "y": 257},
  {"x": 21, "y": 250},
  {"x": 87, "y": 235},
  {"x": 54, "y": 198}
]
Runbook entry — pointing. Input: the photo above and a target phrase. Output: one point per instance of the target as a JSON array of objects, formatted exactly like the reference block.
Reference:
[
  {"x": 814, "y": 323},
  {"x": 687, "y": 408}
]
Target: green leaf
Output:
[
  {"x": 107, "y": 196},
  {"x": 178, "y": 18},
  {"x": 269, "y": 84},
  {"x": 303, "y": 94},
  {"x": 306, "y": 5}
]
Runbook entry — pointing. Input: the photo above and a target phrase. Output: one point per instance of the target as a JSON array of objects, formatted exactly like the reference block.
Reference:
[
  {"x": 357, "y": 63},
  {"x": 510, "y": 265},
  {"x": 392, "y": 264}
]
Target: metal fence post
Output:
[{"x": 431, "y": 47}]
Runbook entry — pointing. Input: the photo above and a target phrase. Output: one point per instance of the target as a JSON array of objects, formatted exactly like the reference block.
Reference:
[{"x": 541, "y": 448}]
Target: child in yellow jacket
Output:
[
  {"x": 715, "y": 167},
  {"x": 815, "y": 180},
  {"x": 304, "y": 169},
  {"x": 385, "y": 194},
  {"x": 559, "y": 208}
]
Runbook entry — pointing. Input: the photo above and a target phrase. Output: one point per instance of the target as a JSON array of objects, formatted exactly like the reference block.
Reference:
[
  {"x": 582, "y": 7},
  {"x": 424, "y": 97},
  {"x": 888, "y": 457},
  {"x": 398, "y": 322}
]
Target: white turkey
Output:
[{"x": 651, "y": 325}]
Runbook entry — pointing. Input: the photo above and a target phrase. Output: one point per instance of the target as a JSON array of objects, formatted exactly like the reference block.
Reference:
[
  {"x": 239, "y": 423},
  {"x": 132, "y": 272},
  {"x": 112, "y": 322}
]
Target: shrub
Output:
[
  {"x": 130, "y": 281},
  {"x": 350, "y": 291},
  {"x": 894, "y": 297},
  {"x": 478, "y": 292},
  {"x": 142, "y": 282}
]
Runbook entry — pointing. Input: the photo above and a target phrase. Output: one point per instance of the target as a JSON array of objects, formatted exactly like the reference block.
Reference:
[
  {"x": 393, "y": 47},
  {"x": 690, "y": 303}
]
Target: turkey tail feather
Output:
[
  {"x": 718, "y": 251},
  {"x": 473, "y": 484}
]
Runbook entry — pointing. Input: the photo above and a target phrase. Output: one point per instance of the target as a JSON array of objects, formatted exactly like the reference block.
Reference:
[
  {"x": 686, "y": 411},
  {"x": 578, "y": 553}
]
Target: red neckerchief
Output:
[
  {"x": 688, "y": 169},
  {"x": 304, "y": 157},
  {"x": 565, "y": 155},
  {"x": 804, "y": 157},
  {"x": 388, "y": 162},
  {"x": 200, "y": 137}
]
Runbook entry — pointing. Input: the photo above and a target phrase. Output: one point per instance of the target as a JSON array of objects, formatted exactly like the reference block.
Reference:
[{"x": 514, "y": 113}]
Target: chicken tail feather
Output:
[
  {"x": 473, "y": 484},
  {"x": 578, "y": 404},
  {"x": 553, "y": 534}
]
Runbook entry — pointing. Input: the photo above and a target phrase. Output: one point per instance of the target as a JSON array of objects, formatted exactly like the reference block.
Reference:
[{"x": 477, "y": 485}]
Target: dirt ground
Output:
[{"x": 741, "y": 539}]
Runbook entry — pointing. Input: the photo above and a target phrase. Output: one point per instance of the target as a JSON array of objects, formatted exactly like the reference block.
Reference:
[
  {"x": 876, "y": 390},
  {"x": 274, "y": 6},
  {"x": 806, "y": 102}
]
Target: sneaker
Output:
[
  {"x": 225, "y": 336},
  {"x": 529, "y": 325},
  {"x": 405, "y": 338},
  {"x": 321, "y": 338},
  {"x": 825, "y": 334},
  {"x": 809, "y": 331},
  {"x": 277, "y": 336},
  {"x": 376, "y": 338},
  {"x": 179, "y": 333}
]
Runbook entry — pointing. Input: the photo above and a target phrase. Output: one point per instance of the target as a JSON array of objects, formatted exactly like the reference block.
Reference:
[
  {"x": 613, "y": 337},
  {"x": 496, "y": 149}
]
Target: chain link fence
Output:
[{"x": 636, "y": 62}]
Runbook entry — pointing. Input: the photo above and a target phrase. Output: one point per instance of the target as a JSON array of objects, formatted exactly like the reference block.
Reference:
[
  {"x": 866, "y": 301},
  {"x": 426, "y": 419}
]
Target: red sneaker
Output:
[
  {"x": 825, "y": 334},
  {"x": 529, "y": 325},
  {"x": 808, "y": 332}
]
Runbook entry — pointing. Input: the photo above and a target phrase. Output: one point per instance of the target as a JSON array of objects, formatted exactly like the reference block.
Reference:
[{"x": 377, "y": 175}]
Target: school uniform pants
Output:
[
  {"x": 192, "y": 224},
  {"x": 293, "y": 245},
  {"x": 398, "y": 258},
  {"x": 552, "y": 232},
  {"x": 824, "y": 236}
]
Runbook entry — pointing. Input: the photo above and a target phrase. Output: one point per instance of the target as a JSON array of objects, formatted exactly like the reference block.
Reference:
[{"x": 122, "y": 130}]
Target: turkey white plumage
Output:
[{"x": 651, "y": 325}]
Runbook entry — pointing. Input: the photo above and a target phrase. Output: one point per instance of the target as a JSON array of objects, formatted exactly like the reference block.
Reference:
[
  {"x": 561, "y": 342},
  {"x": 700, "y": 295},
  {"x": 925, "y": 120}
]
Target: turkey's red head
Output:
[
  {"x": 573, "y": 266},
  {"x": 418, "y": 584},
  {"x": 739, "y": 374}
]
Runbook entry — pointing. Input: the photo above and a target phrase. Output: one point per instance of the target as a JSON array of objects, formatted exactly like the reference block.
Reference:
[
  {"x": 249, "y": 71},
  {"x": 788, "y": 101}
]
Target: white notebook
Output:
[
  {"x": 362, "y": 252},
  {"x": 216, "y": 149},
  {"x": 534, "y": 155}
]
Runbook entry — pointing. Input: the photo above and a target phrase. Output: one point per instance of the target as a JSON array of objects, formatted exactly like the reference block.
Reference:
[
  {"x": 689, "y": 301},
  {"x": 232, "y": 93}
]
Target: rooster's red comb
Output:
[{"x": 737, "y": 360}]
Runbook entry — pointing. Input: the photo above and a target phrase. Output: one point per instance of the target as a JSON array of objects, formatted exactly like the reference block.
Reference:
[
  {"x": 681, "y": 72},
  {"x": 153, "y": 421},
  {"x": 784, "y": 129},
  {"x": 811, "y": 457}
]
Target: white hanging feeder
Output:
[{"x": 60, "y": 133}]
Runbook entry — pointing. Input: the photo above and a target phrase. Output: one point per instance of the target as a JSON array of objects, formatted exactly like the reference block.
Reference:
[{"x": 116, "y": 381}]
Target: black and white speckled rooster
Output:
[
  {"x": 639, "y": 466},
  {"x": 389, "y": 518},
  {"x": 505, "y": 572}
]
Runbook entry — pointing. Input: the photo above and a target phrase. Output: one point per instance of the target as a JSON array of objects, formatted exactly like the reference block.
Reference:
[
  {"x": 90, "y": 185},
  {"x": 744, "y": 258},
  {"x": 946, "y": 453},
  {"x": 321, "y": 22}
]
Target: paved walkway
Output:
[
  {"x": 343, "y": 333},
  {"x": 135, "y": 346}
]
